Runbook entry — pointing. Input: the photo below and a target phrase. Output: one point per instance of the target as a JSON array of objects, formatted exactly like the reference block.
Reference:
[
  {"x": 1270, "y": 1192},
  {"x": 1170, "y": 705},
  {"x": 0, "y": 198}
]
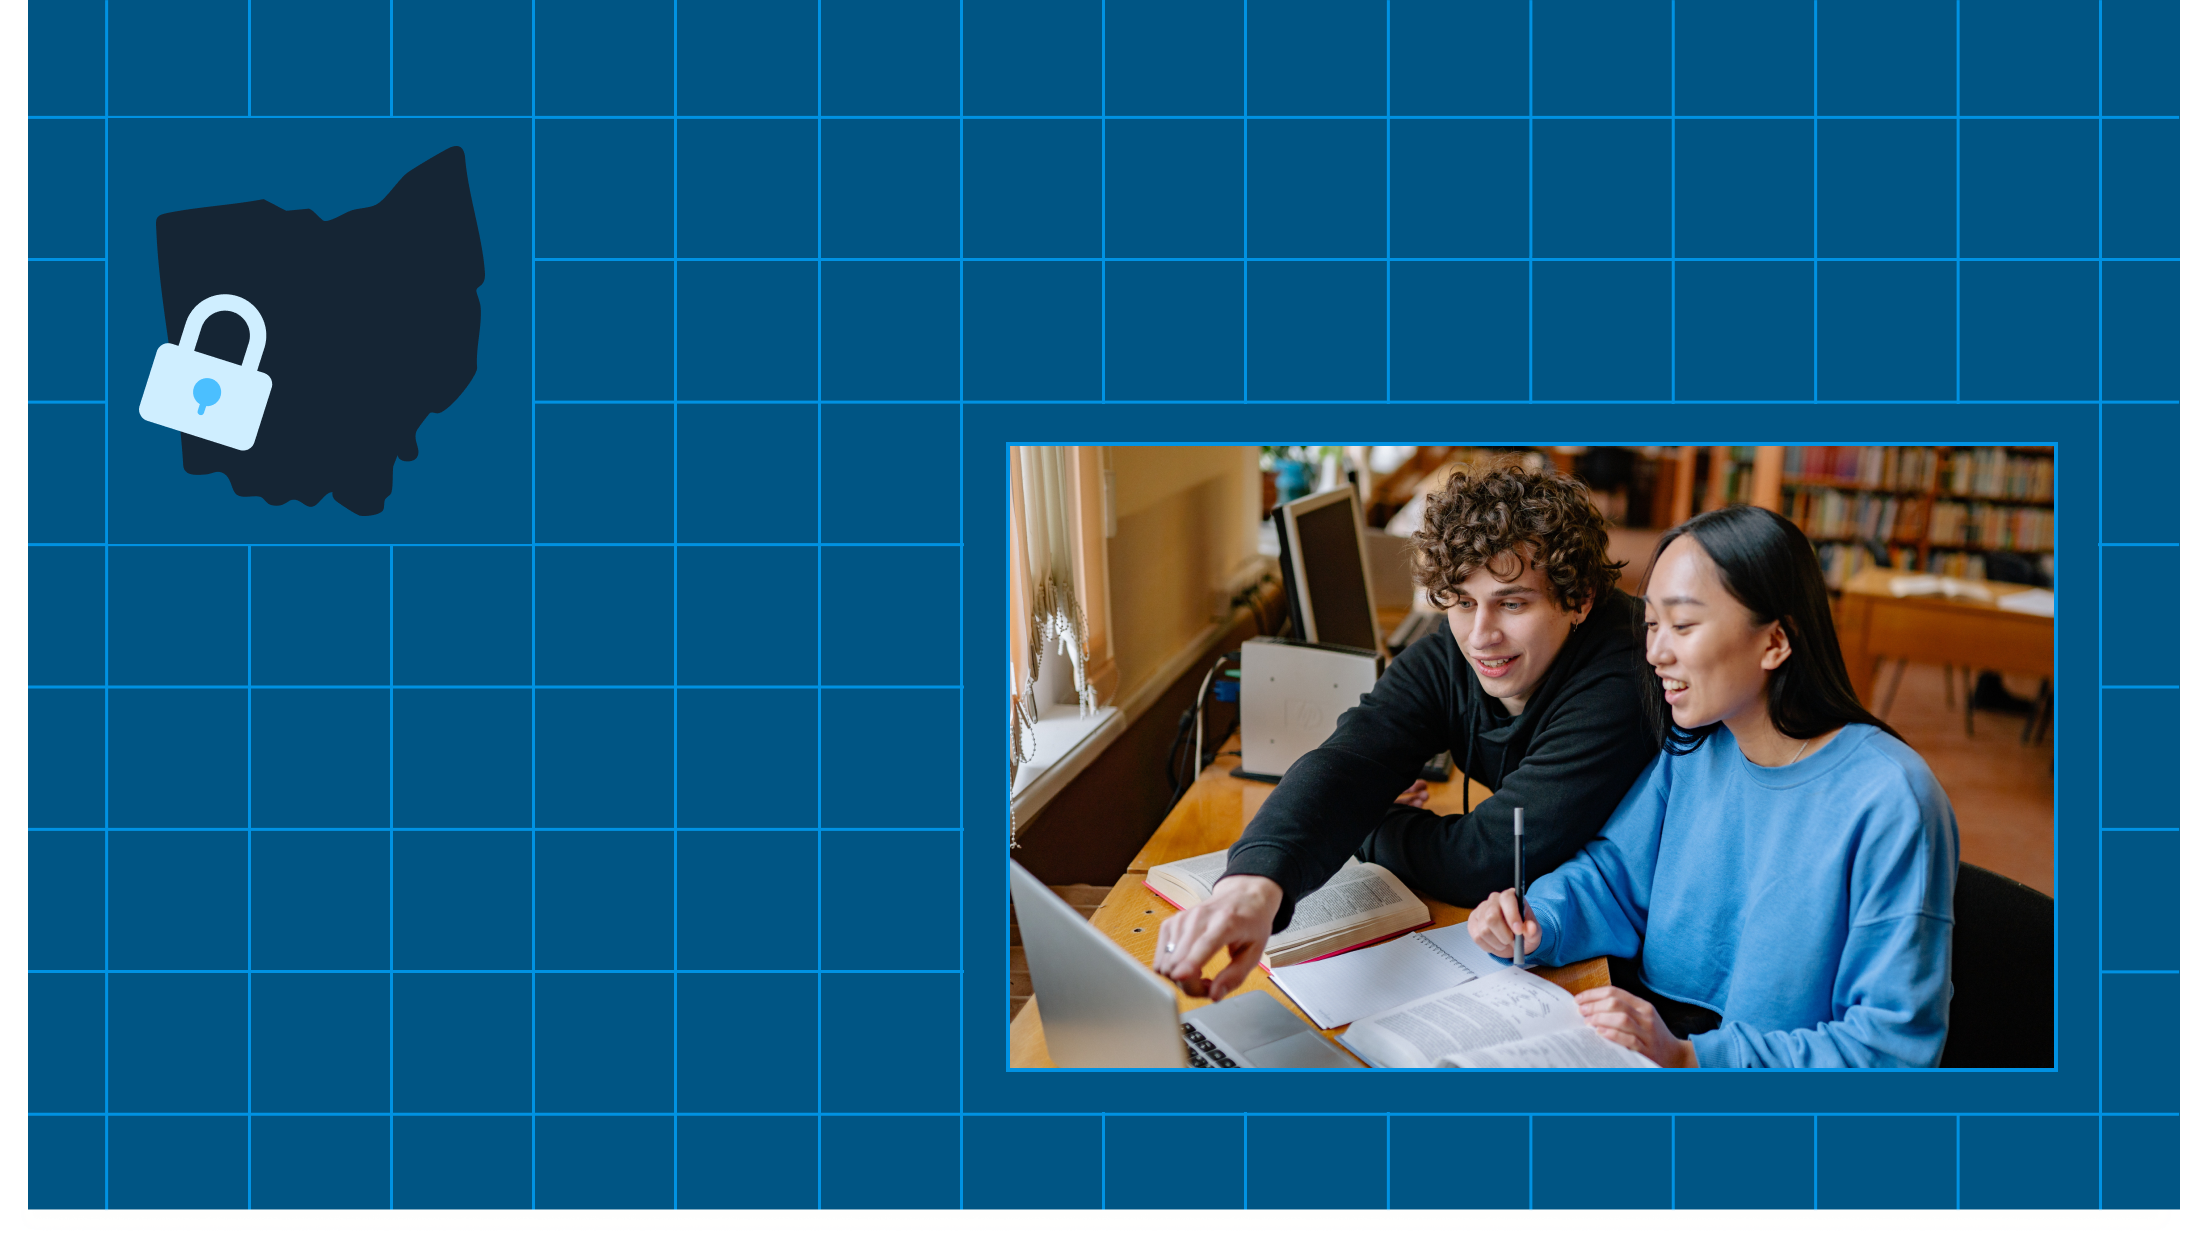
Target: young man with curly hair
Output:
[{"x": 1532, "y": 680}]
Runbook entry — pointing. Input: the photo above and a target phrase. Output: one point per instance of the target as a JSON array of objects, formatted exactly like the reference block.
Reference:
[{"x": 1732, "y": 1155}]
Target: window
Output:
[{"x": 1060, "y": 587}]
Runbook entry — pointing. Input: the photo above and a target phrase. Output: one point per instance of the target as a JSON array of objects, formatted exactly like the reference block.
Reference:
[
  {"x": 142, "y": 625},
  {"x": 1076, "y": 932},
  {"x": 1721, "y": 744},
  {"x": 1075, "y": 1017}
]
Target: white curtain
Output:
[{"x": 1044, "y": 506}]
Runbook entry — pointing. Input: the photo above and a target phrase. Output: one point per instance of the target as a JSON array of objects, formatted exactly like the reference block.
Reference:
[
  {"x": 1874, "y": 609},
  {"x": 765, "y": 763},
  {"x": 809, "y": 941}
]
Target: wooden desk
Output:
[
  {"x": 1209, "y": 817},
  {"x": 1934, "y": 629}
]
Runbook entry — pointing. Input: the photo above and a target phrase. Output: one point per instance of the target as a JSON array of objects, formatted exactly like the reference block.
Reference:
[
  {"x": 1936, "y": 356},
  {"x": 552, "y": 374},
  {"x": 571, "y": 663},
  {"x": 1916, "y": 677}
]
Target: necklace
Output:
[{"x": 1800, "y": 750}]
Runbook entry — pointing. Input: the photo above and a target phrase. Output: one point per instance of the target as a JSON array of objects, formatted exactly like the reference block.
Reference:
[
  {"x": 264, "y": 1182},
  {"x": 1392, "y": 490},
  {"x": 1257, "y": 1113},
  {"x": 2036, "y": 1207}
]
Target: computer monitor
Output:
[
  {"x": 1326, "y": 567},
  {"x": 1286, "y": 578}
]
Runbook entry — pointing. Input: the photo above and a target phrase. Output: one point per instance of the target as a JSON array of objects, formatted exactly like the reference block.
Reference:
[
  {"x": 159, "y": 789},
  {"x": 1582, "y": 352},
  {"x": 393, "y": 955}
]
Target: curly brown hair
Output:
[{"x": 1498, "y": 514}]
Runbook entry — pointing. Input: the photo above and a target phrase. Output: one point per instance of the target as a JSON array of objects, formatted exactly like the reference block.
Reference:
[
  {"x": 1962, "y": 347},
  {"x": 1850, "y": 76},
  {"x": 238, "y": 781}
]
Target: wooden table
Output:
[
  {"x": 1209, "y": 817},
  {"x": 1934, "y": 629}
]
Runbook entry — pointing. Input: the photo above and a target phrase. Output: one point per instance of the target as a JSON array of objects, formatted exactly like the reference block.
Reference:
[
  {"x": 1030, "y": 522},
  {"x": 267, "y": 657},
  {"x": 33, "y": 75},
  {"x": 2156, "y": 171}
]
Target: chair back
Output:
[
  {"x": 2013, "y": 567},
  {"x": 2002, "y": 1015}
]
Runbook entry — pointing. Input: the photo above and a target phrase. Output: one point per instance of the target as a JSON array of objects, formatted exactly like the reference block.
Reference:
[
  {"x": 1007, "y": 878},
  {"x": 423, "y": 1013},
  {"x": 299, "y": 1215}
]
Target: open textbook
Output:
[
  {"x": 1436, "y": 999},
  {"x": 1362, "y": 903},
  {"x": 1509, "y": 1021}
]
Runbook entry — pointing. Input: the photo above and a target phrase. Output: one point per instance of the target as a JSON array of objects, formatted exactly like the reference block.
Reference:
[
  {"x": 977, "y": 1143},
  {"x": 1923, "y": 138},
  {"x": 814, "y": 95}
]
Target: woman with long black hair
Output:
[{"x": 1786, "y": 866}]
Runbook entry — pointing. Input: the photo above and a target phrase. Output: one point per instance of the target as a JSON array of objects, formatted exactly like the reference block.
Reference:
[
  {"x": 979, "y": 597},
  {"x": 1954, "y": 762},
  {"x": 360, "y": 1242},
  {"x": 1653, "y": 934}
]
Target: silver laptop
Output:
[{"x": 1102, "y": 1009}]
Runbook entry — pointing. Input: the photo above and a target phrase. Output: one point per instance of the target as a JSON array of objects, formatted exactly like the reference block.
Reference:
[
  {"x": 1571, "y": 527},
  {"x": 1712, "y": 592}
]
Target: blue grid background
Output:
[{"x": 411, "y": 860}]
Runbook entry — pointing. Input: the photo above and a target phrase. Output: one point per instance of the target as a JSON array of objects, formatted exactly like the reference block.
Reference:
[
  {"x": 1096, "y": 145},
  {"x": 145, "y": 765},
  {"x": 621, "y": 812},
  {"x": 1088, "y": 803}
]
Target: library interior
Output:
[{"x": 1140, "y": 572}]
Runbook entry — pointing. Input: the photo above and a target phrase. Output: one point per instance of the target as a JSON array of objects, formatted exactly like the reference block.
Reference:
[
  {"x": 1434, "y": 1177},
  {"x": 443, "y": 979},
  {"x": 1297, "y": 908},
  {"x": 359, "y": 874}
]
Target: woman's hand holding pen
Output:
[
  {"x": 1236, "y": 918},
  {"x": 1496, "y": 920}
]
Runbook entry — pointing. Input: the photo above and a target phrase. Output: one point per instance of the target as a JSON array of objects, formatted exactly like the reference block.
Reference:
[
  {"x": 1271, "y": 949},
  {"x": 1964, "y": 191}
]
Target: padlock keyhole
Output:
[{"x": 224, "y": 335}]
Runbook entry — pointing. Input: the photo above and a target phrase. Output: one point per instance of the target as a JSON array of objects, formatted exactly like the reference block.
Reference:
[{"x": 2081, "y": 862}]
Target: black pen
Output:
[{"x": 1522, "y": 907}]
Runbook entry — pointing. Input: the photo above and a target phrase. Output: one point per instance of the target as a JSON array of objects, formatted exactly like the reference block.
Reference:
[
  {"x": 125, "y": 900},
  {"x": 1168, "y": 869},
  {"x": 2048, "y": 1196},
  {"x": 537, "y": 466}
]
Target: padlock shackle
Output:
[{"x": 241, "y": 307}]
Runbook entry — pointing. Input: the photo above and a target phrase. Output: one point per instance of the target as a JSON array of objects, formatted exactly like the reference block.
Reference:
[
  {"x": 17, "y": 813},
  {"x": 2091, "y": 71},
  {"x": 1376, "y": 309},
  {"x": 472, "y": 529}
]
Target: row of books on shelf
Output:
[
  {"x": 1998, "y": 472},
  {"x": 1735, "y": 483},
  {"x": 2000, "y": 526},
  {"x": 1878, "y": 468},
  {"x": 1823, "y": 513},
  {"x": 1827, "y": 513},
  {"x": 1993, "y": 472},
  {"x": 1842, "y": 561}
]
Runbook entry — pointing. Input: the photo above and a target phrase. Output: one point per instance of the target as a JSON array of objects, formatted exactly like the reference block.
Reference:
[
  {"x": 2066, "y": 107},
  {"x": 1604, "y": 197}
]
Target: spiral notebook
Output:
[{"x": 1345, "y": 988}]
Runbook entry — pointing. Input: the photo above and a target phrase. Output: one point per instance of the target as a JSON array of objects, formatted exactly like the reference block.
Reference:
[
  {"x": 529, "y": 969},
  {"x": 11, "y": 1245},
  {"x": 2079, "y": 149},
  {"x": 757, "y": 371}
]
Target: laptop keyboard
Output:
[{"x": 1202, "y": 1053}]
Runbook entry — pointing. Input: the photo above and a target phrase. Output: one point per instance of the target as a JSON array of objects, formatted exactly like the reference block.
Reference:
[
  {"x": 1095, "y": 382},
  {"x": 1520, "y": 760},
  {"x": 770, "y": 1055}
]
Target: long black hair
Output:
[{"x": 1767, "y": 564}]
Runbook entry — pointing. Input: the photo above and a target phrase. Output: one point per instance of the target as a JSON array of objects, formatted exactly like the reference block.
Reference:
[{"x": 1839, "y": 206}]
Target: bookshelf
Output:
[
  {"x": 1728, "y": 475},
  {"x": 1937, "y": 509}
]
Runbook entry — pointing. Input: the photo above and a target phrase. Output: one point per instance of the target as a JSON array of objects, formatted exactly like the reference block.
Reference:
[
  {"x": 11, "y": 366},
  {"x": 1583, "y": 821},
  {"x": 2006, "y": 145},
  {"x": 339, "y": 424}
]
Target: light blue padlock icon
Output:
[{"x": 205, "y": 395}]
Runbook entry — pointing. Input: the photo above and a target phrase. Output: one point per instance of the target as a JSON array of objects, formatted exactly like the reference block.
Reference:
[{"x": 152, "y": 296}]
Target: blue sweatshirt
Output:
[{"x": 1811, "y": 906}]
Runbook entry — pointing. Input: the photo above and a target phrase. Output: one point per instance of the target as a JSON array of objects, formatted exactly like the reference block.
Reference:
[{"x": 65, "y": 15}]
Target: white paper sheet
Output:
[{"x": 1348, "y": 987}]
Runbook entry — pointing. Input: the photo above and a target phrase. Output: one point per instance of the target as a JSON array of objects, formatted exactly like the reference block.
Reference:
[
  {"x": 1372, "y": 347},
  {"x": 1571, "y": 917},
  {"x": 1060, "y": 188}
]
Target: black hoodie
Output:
[{"x": 1567, "y": 759}]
